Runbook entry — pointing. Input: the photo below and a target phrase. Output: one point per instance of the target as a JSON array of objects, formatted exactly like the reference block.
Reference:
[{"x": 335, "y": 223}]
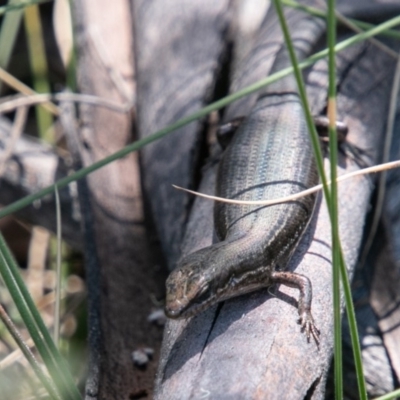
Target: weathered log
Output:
[
  {"x": 179, "y": 48},
  {"x": 385, "y": 282},
  {"x": 250, "y": 347},
  {"x": 32, "y": 166}
]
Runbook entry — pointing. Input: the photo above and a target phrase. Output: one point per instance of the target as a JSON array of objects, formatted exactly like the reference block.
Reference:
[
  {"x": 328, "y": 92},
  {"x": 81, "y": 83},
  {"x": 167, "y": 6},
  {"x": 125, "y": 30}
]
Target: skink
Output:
[{"x": 270, "y": 156}]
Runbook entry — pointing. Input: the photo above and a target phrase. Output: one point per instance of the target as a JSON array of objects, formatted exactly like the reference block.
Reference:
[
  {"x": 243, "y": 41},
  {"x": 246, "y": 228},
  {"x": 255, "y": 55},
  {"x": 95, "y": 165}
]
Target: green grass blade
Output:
[
  {"x": 23, "y": 309},
  {"x": 186, "y": 120},
  {"x": 8, "y": 33},
  {"x": 10, "y": 27},
  {"x": 332, "y": 204},
  {"x": 55, "y": 364},
  {"x": 38, "y": 63},
  {"x": 57, "y": 291},
  {"x": 355, "y": 340},
  {"x": 331, "y": 197},
  {"x": 18, "y": 5},
  {"x": 393, "y": 395},
  {"x": 28, "y": 354},
  {"x": 322, "y": 14},
  {"x": 303, "y": 98}
]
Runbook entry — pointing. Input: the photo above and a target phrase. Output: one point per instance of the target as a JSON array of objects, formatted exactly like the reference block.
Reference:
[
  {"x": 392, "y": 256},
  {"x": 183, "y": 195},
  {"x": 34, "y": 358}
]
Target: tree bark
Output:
[{"x": 122, "y": 273}]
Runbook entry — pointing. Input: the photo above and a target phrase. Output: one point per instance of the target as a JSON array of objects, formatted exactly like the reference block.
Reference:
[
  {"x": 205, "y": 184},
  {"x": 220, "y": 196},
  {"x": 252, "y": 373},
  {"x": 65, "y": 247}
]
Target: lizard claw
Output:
[{"x": 307, "y": 324}]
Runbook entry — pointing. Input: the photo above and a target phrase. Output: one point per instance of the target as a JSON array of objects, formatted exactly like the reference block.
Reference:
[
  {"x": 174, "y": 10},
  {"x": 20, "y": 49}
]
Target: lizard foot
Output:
[{"x": 307, "y": 324}]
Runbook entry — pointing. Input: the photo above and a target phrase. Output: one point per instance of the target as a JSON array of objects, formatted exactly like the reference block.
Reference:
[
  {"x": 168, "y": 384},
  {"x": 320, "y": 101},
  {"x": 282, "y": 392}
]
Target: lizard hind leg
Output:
[
  {"x": 360, "y": 156},
  {"x": 302, "y": 283},
  {"x": 226, "y": 131}
]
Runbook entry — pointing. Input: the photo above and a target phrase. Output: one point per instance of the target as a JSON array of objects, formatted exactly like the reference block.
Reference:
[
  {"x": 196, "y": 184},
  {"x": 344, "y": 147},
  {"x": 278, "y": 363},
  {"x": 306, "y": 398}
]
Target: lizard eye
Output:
[{"x": 203, "y": 294}]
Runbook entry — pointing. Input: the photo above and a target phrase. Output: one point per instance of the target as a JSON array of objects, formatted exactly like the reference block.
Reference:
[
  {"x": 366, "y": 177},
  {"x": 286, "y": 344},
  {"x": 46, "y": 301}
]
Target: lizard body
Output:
[
  {"x": 255, "y": 241},
  {"x": 269, "y": 156}
]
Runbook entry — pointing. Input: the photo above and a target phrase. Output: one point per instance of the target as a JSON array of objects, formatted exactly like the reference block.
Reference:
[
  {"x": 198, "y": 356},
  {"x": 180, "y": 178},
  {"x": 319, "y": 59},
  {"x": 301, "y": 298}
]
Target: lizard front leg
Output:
[{"x": 302, "y": 283}]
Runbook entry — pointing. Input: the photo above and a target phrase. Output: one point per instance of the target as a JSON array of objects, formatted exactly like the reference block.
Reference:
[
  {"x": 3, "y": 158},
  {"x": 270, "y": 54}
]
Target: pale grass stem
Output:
[{"x": 361, "y": 172}]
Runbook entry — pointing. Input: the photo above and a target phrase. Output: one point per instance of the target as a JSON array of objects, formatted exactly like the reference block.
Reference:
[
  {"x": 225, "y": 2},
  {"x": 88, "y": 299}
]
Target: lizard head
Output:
[{"x": 189, "y": 288}]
